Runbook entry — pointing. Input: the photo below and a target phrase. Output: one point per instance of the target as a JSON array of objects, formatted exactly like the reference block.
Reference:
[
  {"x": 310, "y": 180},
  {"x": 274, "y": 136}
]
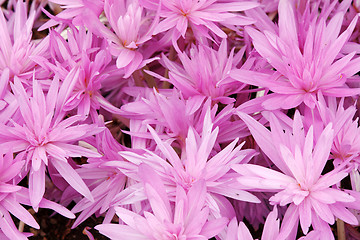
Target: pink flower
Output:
[
  {"x": 161, "y": 108},
  {"x": 302, "y": 185},
  {"x": 12, "y": 196},
  {"x": 204, "y": 72},
  {"x": 346, "y": 144},
  {"x": 310, "y": 60},
  {"x": 201, "y": 16},
  {"x": 129, "y": 30},
  {"x": 188, "y": 219},
  {"x": 46, "y": 138},
  {"x": 82, "y": 62},
  {"x": 17, "y": 47},
  {"x": 106, "y": 181},
  {"x": 199, "y": 162},
  {"x": 74, "y": 10},
  {"x": 346, "y": 147}
]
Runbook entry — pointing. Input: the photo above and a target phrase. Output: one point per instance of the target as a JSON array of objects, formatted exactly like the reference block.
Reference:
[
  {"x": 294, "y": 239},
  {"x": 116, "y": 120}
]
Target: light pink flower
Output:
[
  {"x": 74, "y": 11},
  {"x": 82, "y": 62},
  {"x": 302, "y": 185},
  {"x": 46, "y": 138},
  {"x": 310, "y": 60},
  {"x": 106, "y": 182},
  {"x": 17, "y": 47},
  {"x": 129, "y": 30},
  {"x": 188, "y": 219},
  {"x": 201, "y": 16},
  {"x": 163, "y": 107},
  {"x": 205, "y": 72},
  {"x": 199, "y": 162},
  {"x": 12, "y": 197}
]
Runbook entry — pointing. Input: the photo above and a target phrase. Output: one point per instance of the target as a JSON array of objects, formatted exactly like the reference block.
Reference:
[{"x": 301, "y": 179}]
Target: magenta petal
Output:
[
  {"x": 117, "y": 231},
  {"x": 271, "y": 226},
  {"x": 8, "y": 188},
  {"x": 124, "y": 58},
  {"x": 156, "y": 193},
  {"x": 7, "y": 226},
  {"x": 344, "y": 214},
  {"x": 290, "y": 222},
  {"x": 37, "y": 186},
  {"x": 243, "y": 232},
  {"x": 276, "y": 101},
  {"x": 136, "y": 63},
  {"x": 73, "y": 178},
  {"x": 214, "y": 227},
  {"x": 44, "y": 203},
  {"x": 20, "y": 212}
]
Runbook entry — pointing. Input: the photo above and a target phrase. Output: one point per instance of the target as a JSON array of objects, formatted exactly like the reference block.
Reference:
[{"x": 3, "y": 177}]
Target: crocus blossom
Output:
[
  {"x": 188, "y": 219},
  {"x": 307, "y": 63},
  {"x": 43, "y": 134},
  {"x": 309, "y": 193},
  {"x": 181, "y": 119}
]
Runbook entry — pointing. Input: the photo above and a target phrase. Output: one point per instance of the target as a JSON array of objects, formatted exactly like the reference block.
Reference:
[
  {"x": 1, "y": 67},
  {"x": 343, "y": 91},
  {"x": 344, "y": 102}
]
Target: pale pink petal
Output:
[
  {"x": 73, "y": 178},
  {"x": 344, "y": 214},
  {"x": 305, "y": 213},
  {"x": 8, "y": 228},
  {"x": 271, "y": 226},
  {"x": 117, "y": 231},
  {"x": 124, "y": 58},
  {"x": 214, "y": 227},
  {"x": 156, "y": 193},
  {"x": 37, "y": 186},
  {"x": 243, "y": 232},
  {"x": 322, "y": 150},
  {"x": 289, "y": 223},
  {"x": 323, "y": 211}
]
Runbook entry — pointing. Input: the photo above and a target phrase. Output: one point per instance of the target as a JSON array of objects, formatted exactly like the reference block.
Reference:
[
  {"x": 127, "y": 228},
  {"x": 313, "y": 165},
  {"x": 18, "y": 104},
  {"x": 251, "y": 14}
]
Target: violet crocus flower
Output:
[
  {"x": 129, "y": 30},
  {"x": 188, "y": 220},
  {"x": 46, "y": 138},
  {"x": 301, "y": 183},
  {"x": 201, "y": 16},
  {"x": 12, "y": 197},
  {"x": 309, "y": 61},
  {"x": 16, "y": 46},
  {"x": 204, "y": 72},
  {"x": 160, "y": 108},
  {"x": 82, "y": 62},
  {"x": 346, "y": 146},
  {"x": 74, "y": 11},
  {"x": 106, "y": 181},
  {"x": 199, "y": 162}
]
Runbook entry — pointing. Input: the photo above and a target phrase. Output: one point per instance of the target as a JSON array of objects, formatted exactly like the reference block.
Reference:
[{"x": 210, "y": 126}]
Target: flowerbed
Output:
[{"x": 180, "y": 119}]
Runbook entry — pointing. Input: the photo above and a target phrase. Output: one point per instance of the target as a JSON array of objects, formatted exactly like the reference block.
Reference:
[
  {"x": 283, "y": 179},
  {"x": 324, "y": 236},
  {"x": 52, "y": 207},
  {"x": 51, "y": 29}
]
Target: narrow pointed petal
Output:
[{"x": 73, "y": 178}]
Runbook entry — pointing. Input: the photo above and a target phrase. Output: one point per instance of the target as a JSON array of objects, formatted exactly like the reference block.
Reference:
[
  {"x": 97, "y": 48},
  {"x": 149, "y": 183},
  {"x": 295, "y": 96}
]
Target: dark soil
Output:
[{"x": 57, "y": 227}]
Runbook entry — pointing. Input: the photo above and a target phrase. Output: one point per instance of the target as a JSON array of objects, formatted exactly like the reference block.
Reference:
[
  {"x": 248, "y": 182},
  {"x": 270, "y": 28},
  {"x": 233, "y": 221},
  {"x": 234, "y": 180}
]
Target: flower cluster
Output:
[{"x": 182, "y": 119}]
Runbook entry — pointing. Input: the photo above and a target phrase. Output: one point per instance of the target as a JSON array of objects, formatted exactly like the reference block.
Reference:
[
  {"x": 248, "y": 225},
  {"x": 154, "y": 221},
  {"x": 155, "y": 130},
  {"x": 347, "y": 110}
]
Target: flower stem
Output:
[{"x": 340, "y": 229}]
